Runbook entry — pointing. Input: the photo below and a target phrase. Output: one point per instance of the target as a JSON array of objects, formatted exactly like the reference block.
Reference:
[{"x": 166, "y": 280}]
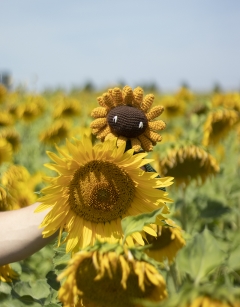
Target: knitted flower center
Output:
[
  {"x": 127, "y": 121},
  {"x": 100, "y": 191}
]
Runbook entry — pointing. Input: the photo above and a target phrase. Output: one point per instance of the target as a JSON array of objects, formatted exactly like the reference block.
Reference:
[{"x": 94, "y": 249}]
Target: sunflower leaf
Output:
[
  {"x": 131, "y": 224},
  {"x": 200, "y": 256}
]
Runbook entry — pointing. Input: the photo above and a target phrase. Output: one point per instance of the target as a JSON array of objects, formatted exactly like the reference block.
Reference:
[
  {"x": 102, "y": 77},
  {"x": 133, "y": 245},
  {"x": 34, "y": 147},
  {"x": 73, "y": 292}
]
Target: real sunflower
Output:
[
  {"x": 3, "y": 93},
  {"x": 20, "y": 186},
  {"x": 207, "y": 301},
  {"x": 66, "y": 108},
  {"x": 31, "y": 109},
  {"x": 6, "y": 119},
  {"x": 127, "y": 115},
  {"x": 4, "y": 205},
  {"x": 188, "y": 163},
  {"x": 12, "y": 137},
  {"x": 5, "y": 151},
  {"x": 7, "y": 274},
  {"x": 228, "y": 100},
  {"x": 168, "y": 242},
  {"x": 57, "y": 131},
  {"x": 110, "y": 279},
  {"x": 218, "y": 124},
  {"x": 173, "y": 106},
  {"x": 96, "y": 187}
]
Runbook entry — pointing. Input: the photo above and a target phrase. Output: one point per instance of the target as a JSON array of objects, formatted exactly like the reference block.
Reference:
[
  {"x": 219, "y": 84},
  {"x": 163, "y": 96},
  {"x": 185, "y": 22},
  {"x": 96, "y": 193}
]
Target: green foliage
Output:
[{"x": 200, "y": 257}]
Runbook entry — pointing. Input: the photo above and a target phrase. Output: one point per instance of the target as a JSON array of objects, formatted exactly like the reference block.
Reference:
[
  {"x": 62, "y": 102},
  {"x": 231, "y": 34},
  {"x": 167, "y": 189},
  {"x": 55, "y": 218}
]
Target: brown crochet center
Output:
[{"x": 127, "y": 121}]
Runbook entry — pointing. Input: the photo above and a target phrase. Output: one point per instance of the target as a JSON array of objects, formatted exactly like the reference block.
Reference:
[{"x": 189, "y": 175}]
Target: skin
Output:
[{"x": 20, "y": 235}]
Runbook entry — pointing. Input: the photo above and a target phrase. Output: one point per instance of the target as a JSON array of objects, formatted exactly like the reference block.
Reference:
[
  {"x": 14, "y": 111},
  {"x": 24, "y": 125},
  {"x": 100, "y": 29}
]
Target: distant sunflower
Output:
[
  {"x": 5, "y": 151},
  {"x": 96, "y": 187},
  {"x": 6, "y": 119},
  {"x": 57, "y": 131},
  {"x": 207, "y": 301},
  {"x": 3, "y": 93},
  {"x": 184, "y": 94},
  {"x": 218, "y": 125},
  {"x": 125, "y": 114},
  {"x": 228, "y": 100},
  {"x": 12, "y": 137},
  {"x": 188, "y": 163},
  {"x": 7, "y": 274},
  {"x": 109, "y": 279},
  {"x": 20, "y": 186},
  {"x": 4, "y": 205},
  {"x": 173, "y": 106},
  {"x": 67, "y": 107},
  {"x": 168, "y": 242},
  {"x": 31, "y": 109}
]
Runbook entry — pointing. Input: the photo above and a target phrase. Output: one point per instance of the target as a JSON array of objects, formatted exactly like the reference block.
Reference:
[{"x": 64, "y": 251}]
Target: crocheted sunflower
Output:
[{"x": 127, "y": 115}]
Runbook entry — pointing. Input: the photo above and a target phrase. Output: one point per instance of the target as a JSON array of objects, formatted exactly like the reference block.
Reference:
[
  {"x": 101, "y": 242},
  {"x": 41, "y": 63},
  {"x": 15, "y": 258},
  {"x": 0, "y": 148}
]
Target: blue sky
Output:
[{"x": 52, "y": 43}]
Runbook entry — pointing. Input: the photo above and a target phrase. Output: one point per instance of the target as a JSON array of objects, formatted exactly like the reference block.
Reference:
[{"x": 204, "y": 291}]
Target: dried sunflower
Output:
[
  {"x": 56, "y": 132},
  {"x": 188, "y": 163},
  {"x": 12, "y": 137},
  {"x": 96, "y": 187},
  {"x": 7, "y": 274},
  {"x": 126, "y": 114},
  {"x": 96, "y": 278},
  {"x": 168, "y": 242},
  {"x": 218, "y": 125}
]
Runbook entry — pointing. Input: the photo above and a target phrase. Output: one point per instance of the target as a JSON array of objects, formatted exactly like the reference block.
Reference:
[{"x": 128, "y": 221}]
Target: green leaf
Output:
[
  {"x": 38, "y": 289},
  {"x": 5, "y": 288},
  {"x": 200, "y": 256},
  {"x": 131, "y": 224},
  {"x": 52, "y": 280},
  {"x": 214, "y": 209},
  {"x": 61, "y": 259}
]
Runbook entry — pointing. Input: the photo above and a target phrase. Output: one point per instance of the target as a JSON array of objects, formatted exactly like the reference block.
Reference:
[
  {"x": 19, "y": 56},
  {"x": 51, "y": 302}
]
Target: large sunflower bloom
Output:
[
  {"x": 218, "y": 125},
  {"x": 109, "y": 279},
  {"x": 96, "y": 187},
  {"x": 168, "y": 242},
  {"x": 7, "y": 273},
  {"x": 188, "y": 163},
  {"x": 126, "y": 114}
]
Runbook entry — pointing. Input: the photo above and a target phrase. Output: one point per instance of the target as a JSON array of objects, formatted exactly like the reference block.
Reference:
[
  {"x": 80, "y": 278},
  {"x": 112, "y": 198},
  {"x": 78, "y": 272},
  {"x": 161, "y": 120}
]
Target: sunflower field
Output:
[{"x": 141, "y": 190}]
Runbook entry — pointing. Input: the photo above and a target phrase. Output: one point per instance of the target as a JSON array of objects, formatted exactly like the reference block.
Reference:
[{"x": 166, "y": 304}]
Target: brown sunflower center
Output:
[
  {"x": 162, "y": 241},
  {"x": 108, "y": 291},
  {"x": 127, "y": 121},
  {"x": 100, "y": 191}
]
